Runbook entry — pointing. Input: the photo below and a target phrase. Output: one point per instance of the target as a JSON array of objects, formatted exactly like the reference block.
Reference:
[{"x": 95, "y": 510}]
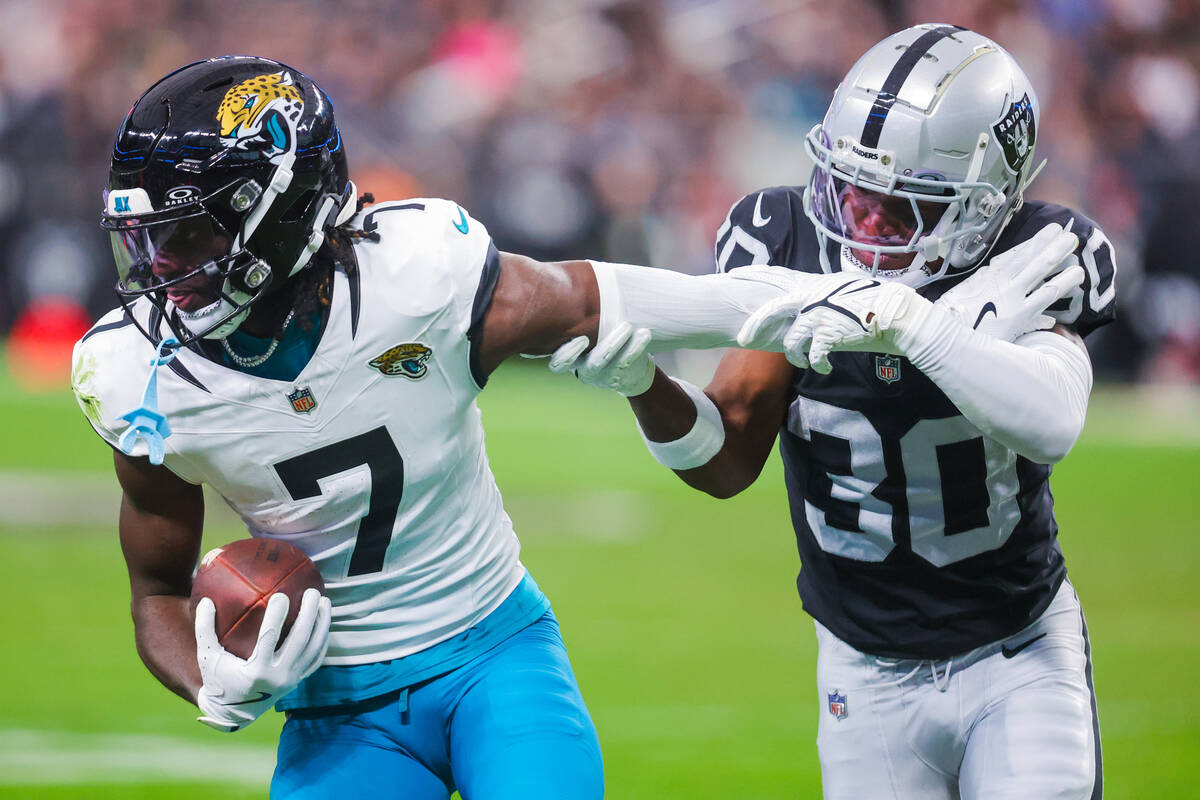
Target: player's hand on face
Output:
[
  {"x": 831, "y": 313},
  {"x": 237, "y": 691},
  {"x": 1009, "y": 295},
  {"x": 619, "y": 361}
]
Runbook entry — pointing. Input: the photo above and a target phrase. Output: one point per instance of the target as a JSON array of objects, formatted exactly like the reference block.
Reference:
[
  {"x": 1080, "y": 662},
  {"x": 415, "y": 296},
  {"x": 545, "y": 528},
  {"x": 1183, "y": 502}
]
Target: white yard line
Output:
[
  {"x": 1144, "y": 415},
  {"x": 57, "y": 758},
  {"x": 32, "y": 500}
]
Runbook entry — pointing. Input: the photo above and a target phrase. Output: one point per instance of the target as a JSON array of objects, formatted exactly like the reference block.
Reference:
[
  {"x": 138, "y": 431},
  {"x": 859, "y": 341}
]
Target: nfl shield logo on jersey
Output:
[
  {"x": 302, "y": 400},
  {"x": 837, "y": 705},
  {"x": 887, "y": 368}
]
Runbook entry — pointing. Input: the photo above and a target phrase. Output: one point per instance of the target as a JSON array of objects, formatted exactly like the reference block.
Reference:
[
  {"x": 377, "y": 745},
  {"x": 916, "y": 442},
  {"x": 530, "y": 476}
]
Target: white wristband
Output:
[{"x": 698, "y": 446}]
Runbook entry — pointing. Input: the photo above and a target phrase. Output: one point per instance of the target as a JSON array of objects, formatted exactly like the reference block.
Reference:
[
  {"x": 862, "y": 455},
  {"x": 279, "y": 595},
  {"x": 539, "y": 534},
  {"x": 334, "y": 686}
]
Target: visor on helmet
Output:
[
  {"x": 188, "y": 263},
  {"x": 882, "y": 229},
  {"x": 180, "y": 257},
  {"x": 891, "y": 218}
]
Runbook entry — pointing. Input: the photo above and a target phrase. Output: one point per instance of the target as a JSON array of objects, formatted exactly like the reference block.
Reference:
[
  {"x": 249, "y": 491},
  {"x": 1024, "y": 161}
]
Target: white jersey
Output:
[{"x": 372, "y": 461}]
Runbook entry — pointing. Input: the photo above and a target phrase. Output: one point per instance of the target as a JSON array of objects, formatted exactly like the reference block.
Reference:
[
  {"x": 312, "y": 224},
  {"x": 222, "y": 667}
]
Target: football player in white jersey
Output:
[
  {"x": 920, "y": 404},
  {"x": 316, "y": 363}
]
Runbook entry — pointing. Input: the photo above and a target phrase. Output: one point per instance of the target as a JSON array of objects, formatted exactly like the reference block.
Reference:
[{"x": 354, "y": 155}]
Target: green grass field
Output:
[{"x": 679, "y": 611}]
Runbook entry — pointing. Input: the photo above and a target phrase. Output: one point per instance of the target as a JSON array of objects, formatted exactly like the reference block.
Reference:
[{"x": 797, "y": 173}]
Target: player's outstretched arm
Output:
[
  {"x": 748, "y": 392},
  {"x": 537, "y": 306},
  {"x": 716, "y": 439},
  {"x": 1030, "y": 395},
  {"x": 161, "y": 521}
]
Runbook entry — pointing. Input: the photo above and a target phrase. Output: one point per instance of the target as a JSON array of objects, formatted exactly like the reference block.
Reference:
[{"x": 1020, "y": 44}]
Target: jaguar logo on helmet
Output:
[
  {"x": 1015, "y": 133},
  {"x": 260, "y": 115}
]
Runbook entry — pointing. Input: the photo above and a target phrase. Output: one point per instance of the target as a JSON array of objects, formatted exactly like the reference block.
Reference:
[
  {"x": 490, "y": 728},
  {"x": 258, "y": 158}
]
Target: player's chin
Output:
[
  {"x": 189, "y": 300},
  {"x": 888, "y": 262}
]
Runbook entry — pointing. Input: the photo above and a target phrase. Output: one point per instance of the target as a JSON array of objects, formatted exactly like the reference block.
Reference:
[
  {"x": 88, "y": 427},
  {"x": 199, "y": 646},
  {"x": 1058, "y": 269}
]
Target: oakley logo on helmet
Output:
[
  {"x": 180, "y": 195},
  {"x": 260, "y": 114},
  {"x": 1015, "y": 133}
]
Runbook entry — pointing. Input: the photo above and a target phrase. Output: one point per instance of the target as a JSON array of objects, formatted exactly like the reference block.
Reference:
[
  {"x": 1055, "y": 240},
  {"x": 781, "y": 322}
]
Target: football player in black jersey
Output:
[{"x": 918, "y": 433}]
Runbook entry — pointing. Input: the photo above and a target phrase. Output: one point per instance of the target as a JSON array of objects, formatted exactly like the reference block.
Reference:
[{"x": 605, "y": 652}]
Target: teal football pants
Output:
[{"x": 510, "y": 724}]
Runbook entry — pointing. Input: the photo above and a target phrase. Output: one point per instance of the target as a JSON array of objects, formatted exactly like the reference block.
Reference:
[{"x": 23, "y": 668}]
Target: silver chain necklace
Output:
[{"x": 255, "y": 361}]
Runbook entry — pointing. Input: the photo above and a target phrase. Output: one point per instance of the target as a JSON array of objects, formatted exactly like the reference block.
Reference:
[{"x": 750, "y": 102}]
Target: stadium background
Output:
[{"x": 622, "y": 131}]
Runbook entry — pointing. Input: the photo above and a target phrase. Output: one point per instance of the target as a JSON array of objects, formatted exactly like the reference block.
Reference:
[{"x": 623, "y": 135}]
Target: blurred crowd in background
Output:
[{"x": 612, "y": 129}]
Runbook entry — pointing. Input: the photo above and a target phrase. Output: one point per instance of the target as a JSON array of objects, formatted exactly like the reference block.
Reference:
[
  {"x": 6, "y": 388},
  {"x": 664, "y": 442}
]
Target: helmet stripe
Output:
[{"x": 895, "y": 79}]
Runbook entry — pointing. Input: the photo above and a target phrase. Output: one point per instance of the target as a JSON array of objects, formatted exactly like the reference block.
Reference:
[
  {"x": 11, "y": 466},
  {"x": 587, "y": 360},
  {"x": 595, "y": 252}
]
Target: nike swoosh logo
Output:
[
  {"x": 462, "y": 224},
  {"x": 759, "y": 220},
  {"x": 263, "y": 696},
  {"x": 1009, "y": 652},
  {"x": 988, "y": 306},
  {"x": 845, "y": 288}
]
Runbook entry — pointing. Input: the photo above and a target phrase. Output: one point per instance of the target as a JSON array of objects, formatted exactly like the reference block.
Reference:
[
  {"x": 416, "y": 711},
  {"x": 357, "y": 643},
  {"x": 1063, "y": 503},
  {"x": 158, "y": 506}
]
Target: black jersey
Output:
[{"x": 919, "y": 536}]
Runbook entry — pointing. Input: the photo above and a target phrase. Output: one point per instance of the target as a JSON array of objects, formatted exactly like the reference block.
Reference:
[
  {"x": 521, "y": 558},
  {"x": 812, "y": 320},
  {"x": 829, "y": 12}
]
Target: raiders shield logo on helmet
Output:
[{"x": 1015, "y": 133}]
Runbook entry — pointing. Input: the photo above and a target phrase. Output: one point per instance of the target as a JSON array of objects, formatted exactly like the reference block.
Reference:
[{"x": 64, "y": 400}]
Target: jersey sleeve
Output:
[
  {"x": 767, "y": 227},
  {"x": 89, "y": 384},
  {"x": 443, "y": 265},
  {"x": 1093, "y": 303},
  {"x": 109, "y": 368}
]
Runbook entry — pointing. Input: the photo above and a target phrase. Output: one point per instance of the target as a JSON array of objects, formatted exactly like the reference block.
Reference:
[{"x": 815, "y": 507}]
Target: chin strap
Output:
[
  {"x": 281, "y": 179},
  {"x": 146, "y": 421}
]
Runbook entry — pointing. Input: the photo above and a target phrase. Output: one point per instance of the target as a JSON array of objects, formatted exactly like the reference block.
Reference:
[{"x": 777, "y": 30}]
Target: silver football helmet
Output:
[{"x": 923, "y": 155}]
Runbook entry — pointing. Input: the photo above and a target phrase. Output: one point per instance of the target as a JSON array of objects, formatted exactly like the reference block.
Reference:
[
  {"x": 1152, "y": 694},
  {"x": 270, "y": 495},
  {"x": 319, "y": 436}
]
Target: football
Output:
[{"x": 241, "y": 576}]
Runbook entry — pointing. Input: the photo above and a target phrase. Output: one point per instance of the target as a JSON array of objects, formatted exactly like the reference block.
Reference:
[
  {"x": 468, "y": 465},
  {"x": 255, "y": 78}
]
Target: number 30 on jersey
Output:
[{"x": 958, "y": 489}]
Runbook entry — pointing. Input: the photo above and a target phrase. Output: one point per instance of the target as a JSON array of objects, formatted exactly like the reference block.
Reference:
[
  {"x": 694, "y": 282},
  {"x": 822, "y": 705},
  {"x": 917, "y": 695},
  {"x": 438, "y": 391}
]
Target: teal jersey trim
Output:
[
  {"x": 294, "y": 352},
  {"x": 337, "y": 685}
]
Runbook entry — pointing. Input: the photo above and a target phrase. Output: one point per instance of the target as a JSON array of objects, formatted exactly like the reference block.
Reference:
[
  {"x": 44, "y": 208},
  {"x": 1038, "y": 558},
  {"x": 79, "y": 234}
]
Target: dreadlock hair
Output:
[
  {"x": 312, "y": 289},
  {"x": 358, "y": 234}
]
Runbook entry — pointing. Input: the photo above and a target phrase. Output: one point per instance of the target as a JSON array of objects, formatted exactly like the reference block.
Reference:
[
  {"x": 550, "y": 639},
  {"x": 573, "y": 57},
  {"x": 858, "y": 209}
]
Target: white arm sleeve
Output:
[
  {"x": 686, "y": 311},
  {"x": 1030, "y": 396}
]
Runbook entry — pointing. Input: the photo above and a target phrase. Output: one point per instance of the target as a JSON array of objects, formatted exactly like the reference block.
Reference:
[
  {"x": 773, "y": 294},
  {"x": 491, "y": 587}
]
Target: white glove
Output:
[
  {"x": 851, "y": 312},
  {"x": 237, "y": 691},
  {"x": 618, "y": 362},
  {"x": 1008, "y": 296}
]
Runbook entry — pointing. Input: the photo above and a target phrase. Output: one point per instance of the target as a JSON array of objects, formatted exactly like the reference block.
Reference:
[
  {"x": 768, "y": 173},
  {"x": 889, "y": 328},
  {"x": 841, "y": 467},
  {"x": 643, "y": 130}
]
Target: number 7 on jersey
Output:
[{"x": 300, "y": 475}]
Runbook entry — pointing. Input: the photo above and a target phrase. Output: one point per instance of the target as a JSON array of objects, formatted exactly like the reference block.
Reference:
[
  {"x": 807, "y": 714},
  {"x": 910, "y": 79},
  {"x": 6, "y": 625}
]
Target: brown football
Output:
[{"x": 241, "y": 576}]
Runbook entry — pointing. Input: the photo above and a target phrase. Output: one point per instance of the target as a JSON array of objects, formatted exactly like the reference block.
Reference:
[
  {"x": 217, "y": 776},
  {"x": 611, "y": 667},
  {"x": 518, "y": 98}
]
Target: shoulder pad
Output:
[
  {"x": 108, "y": 371},
  {"x": 431, "y": 260},
  {"x": 1092, "y": 304},
  {"x": 423, "y": 221},
  {"x": 768, "y": 227}
]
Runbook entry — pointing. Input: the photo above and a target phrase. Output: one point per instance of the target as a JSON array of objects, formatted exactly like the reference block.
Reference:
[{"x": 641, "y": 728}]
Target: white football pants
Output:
[{"x": 1012, "y": 720}]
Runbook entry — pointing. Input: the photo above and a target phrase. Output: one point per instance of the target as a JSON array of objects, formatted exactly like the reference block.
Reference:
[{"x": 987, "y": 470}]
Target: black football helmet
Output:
[{"x": 226, "y": 176}]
